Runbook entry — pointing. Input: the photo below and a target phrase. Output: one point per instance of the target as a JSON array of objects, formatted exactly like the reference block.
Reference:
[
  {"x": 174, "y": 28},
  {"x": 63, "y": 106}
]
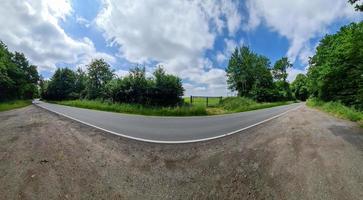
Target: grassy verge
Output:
[
  {"x": 241, "y": 104},
  {"x": 338, "y": 110},
  {"x": 228, "y": 105},
  {"x": 137, "y": 109},
  {"x": 14, "y": 104}
]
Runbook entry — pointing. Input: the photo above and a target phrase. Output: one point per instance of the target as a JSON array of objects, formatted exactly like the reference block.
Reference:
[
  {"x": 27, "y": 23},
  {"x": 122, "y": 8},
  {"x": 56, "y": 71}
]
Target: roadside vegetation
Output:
[
  {"x": 337, "y": 109},
  {"x": 18, "y": 79},
  {"x": 136, "y": 108},
  {"x": 4, "y": 106},
  {"x": 335, "y": 74}
]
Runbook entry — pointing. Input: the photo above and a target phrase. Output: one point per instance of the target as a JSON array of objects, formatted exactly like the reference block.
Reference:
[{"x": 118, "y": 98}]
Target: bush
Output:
[{"x": 161, "y": 90}]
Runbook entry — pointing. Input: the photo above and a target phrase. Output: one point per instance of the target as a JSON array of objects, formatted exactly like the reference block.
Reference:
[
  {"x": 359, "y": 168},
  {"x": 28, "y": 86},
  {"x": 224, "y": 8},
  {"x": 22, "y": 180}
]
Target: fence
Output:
[{"x": 204, "y": 100}]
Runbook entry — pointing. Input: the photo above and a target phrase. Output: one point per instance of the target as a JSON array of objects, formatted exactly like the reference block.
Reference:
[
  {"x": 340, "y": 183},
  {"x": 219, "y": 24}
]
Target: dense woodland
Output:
[{"x": 335, "y": 72}]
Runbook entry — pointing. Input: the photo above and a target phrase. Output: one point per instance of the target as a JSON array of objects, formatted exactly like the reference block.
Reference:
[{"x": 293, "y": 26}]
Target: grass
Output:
[
  {"x": 227, "y": 105},
  {"x": 241, "y": 104},
  {"x": 337, "y": 109},
  {"x": 136, "y": 109},
  {"x": 8, "y": 105},
  {"x": 202, "y": 101}
]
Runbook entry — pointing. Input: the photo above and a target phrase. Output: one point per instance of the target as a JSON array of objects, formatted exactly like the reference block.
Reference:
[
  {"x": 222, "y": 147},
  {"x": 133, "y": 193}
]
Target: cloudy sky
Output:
[{"x": 192, "y": 39}]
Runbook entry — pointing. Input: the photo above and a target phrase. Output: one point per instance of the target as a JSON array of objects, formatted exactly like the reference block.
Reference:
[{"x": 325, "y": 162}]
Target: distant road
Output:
[{"x": 168, "y": 129}]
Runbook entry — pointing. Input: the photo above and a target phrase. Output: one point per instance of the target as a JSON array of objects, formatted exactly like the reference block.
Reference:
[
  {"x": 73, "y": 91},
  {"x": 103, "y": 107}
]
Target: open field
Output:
[
  {"x": 305, "y": 154},
  {"x": 227, "y": 105},
  {"x": 338, "y": 110},
  {"x": 14, "y": 104}
]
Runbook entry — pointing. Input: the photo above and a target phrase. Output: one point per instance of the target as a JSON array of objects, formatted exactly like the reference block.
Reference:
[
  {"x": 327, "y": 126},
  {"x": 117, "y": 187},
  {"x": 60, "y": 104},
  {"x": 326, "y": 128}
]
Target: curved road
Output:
[{"x": 168, "y": 129}]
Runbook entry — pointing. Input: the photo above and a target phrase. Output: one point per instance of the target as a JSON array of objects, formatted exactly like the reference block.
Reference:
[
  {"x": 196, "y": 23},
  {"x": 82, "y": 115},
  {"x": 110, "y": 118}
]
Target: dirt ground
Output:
[{"x": 305, "y": 154}]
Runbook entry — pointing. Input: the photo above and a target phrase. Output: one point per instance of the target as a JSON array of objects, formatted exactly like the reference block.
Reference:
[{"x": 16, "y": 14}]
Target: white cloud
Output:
[
  {"x": 175, "y": 34},
  {"x": 229, "y": 47},
  {"x": 32, "y": 27},
  {"x": 299, "y": 20},
  {"x": 293, "y": 72}
]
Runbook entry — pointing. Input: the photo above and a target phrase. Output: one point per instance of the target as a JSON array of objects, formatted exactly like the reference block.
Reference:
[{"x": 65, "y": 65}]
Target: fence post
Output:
[
  {"x": 191, "y": 99},
  {"x": 207, "y": 101}
]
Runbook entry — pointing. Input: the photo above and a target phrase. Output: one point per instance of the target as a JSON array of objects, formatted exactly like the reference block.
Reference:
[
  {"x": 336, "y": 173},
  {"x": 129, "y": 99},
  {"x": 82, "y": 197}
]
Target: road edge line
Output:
[{"x": 167, "y": 142}]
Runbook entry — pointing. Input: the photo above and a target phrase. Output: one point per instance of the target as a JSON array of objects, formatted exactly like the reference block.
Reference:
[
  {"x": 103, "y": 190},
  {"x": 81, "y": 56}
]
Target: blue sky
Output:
[{"x": 192, "y": 39}]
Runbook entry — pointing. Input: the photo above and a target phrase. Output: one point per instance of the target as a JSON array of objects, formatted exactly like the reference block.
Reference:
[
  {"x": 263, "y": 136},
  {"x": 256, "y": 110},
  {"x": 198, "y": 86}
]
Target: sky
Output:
[{"x": 191, "y": 39}]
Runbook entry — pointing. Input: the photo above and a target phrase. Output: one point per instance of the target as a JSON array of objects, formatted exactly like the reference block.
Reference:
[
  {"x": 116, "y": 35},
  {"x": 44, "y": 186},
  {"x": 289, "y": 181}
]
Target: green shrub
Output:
[{"x": 337, "y": 109}]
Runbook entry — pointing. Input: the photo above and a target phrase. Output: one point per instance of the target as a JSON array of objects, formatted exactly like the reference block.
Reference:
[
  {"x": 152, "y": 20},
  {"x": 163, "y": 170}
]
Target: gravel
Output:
[{"x": 305, "y": 154}]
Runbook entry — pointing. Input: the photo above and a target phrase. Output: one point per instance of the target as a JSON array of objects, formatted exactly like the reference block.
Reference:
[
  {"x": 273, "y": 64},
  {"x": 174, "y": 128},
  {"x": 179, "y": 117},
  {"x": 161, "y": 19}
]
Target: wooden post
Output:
[
  {"x": 191, "y": 99},
  {"x": 207, "y": 101}
]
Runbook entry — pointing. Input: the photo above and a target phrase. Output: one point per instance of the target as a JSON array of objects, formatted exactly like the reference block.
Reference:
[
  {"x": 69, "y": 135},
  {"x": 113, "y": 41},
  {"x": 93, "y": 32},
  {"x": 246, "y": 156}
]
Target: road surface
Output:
[{"x": 168, "y": 129}]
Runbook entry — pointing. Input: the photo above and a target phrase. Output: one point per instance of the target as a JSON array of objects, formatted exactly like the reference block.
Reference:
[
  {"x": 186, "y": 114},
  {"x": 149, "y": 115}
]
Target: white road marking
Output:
[{"x": 168, "y": 142}]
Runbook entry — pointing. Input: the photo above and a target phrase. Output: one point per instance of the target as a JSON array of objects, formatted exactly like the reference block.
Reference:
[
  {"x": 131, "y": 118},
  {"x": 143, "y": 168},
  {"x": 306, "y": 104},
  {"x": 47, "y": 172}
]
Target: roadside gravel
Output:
[{"x": 304, "y": 154}]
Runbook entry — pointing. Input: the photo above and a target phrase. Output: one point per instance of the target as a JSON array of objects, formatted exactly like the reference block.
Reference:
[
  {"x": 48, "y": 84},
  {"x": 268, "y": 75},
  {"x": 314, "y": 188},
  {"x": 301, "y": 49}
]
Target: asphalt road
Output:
[{"x": 168, "y": 129}]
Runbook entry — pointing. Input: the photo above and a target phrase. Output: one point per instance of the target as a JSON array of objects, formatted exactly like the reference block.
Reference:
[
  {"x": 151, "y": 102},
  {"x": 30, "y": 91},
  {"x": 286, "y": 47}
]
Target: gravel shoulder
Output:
[{"x": 305, "y": 154}]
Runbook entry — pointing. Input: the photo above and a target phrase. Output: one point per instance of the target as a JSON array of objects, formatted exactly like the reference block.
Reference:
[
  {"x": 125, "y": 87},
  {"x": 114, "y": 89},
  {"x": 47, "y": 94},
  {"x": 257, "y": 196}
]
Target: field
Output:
[
  {"x": 338, "y": 110},
  {"x": 198, "y": 108},
  {"x": 14, "y": 104},
  {"x": 202, "y": 101}
]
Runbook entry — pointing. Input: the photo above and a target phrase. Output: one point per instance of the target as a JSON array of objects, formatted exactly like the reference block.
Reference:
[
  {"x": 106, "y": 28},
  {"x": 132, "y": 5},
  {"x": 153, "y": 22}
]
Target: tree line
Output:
[
  {"x": 335, "y": 72},
  {"x": 252, "y": 76},
  {"x": 100, "y": 82},
  {"x": 18, "y": 78}
]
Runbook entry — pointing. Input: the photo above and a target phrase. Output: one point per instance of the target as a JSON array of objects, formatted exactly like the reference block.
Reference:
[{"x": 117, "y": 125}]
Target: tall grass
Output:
[
  {"x": 14, "y": 104},
  {"x": 136, "y": 108},
  {"x": 241, "y": 104},
  {"x": 228, "y": 105},
  {"x": 337, "y": 109}
]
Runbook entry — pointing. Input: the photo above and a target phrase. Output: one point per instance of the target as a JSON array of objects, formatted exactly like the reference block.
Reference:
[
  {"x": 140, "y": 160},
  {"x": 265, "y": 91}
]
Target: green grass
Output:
[
  {"x": 213, "y": 101},
  {"x": 241, "y": 104},
  {"x": 228, "y": 105},
  {"x": 14, "y": 104},
  {"x": 136, "y": 109},
  {"x": 337, "y": 109}
]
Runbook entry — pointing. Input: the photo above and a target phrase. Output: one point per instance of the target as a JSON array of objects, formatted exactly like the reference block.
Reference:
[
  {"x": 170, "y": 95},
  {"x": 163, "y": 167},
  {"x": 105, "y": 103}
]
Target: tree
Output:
[
  {"x": 99, "y": 74},
  {"x": 168, "y": 89},
  {"x": 279, "y": 70},
  {"x": 62, "y": 85},
  {"x": 280, "y": 74},
  {"x": 335, "y": 72},
  {"x": 81, "y": 83},
  {"x": 18, "y": 79},
  {"x": 358, "y": 7},
  {"x": 160, "y": 90},
  {"x": 299, "y": 87},
  {"x": 248, "y": 73}
]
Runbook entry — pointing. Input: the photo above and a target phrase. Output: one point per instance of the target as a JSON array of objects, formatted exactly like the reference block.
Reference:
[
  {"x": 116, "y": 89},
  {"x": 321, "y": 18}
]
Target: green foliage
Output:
[
  {"x": 137, "y": 108},
  {"x": 336, "y": 70},
  {"x": 62, "y": 85},
  {"x": 280, "y": 74},
  {"x": 248, "y": 73},
  {"x": 13, "y": 104},
  {"x": 357, "y": 6},
  {"x": 337, "y": 109},
  {"x": 162, "y": 89},
  {"x": 241, "y": 104},
  {"x": 99, "y": 74},
  {"x": 18, "y": 79},
  {"x": 299, "y": 87}
]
